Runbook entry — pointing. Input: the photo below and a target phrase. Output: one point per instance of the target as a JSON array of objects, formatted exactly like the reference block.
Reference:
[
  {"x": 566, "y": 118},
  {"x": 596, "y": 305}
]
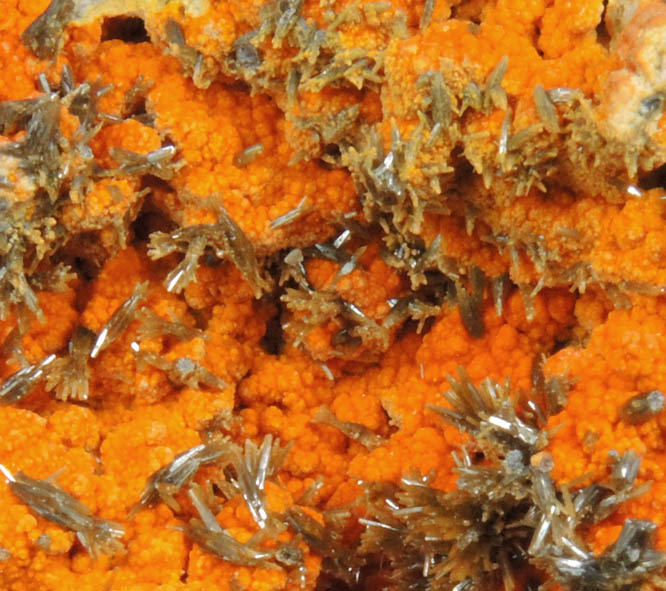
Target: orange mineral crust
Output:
[{"x": 332, "y": 294}]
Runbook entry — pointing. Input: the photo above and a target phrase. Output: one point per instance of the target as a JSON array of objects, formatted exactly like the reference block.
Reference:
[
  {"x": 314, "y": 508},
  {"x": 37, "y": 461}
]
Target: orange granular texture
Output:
[
  {"x": 114, "y": 285},
  {"x": 153, "y": 435},
  {"x": 69, "y": 439},
  {"x": 413, "y": 373},
  {"x": 282, "y": 399},
  {"x": 105, "y": 199},
  {"x": 211, "y": 127},
  {"x": 137, "y": 419},
  {"x": 407, "y": 59},
  {"x": 34, "y": 446},
  {"x": 282, "y": 395},
  {"x": 130, "y": 135},
  {"x": 48, "y": 336},
  {"x": 212, "y": 35},
  {"x": 227, "y": 348},
  {"x": 205, "y": 570},
  {"x": 468, "y": 248},
  {"x": 621, "y": 359},
  {"x": 509, "y": 346},
  {"x": 212, "y": 30},
  {"x": 591, "y": 230},
  {"x": 20, "y": 66},
  {"x": 369, "y": 285},
  {"x": 44, "y": 336},
  {"x": 556, "y": 39}
]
